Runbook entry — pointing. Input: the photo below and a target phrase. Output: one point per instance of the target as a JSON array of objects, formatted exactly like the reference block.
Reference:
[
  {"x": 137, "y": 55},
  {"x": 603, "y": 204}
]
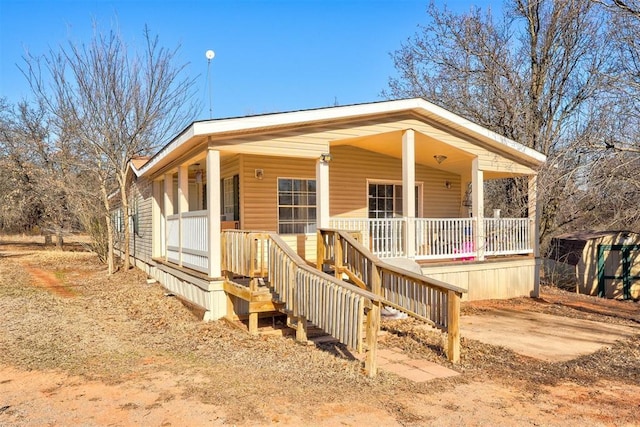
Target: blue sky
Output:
[{"x": 270, "y": 55}]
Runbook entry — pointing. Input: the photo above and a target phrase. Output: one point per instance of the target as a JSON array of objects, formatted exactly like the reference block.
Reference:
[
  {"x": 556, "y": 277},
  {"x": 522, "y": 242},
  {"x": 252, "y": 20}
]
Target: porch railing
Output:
[
  {"x": 507, "y": 236},
  {"x": 383, "y": 236},
  {"x": 445, "y": 238},
  {"x": 430, "y": 300},
  {"x": 173, "y": 238},
  {"x": 336, "y": 307},
  {"x": 440, "y": 238},
  {"x": 192, "y": 248}
]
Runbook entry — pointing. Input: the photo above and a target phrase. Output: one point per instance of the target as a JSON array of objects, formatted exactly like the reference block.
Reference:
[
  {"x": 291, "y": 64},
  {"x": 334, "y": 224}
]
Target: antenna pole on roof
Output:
[{"x": 209, "y": 54}]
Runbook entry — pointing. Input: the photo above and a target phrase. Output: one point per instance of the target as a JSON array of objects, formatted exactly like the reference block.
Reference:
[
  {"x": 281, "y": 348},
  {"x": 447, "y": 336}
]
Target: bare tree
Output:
[
  {"x": 120, "y": 103},
  {"x": 37, "y": 168},
  {"x": 530, "y": 75}
]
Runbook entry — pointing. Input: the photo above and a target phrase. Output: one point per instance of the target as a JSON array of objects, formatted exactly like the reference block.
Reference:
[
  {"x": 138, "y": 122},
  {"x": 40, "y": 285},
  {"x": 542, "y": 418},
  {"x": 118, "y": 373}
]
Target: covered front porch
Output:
[{"x": 412, "y": 197}]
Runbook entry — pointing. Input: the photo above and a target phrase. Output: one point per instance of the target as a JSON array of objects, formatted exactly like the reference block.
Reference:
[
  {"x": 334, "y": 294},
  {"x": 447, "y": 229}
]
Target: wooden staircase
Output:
[
  {"x": 264, "y": 277},
  {"x": 258, "y": 298},
  {"x": 432, "y": 301}
]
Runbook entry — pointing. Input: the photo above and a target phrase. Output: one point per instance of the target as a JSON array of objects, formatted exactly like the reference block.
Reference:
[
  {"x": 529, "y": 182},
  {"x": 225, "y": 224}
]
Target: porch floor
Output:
[
  {"x": 487, "y": 260},
  {"x": 186, "y": 270}
]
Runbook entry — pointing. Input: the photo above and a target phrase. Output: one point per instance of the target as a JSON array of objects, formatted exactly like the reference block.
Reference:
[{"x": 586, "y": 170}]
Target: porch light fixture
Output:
[
  {"x": 440, "y": 158},
  {"x": 259, "y": 173},
  {"x": 326, "y": 157},
  {"x": 198, "y": 177},
  {"x": 447, "y": 184}
]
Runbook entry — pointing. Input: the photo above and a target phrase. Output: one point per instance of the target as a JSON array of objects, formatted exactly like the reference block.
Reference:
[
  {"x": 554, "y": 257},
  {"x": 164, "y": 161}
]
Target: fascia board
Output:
[{"x": 419, "y": 105}]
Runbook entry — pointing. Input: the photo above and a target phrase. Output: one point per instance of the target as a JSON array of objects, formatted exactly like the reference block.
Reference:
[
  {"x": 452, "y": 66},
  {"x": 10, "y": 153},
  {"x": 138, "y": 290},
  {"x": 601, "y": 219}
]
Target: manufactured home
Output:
[{"x": 351, "y": 190}]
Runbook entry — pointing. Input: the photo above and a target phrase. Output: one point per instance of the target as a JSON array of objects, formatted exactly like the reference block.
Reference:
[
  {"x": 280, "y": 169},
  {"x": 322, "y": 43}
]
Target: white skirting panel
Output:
[
  {"x": 209, "y": 295},
  {"x": 488, "y": 280}
]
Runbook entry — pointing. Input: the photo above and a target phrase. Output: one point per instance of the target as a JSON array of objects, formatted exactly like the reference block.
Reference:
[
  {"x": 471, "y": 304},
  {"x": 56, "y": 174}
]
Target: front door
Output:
[{"x": 385, "y": 202}]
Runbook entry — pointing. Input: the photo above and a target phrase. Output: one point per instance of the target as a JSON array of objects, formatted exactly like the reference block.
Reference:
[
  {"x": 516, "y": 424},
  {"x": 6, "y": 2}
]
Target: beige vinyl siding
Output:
[
  {"x": 229, "y": 166},
  {"x": 298, "y": 143},
  {"x": 352, "y": 167},
  {"x": 259, "y": 197},
  {"x": 304, "y": 245},
  {"x": 140, "y": 244}
]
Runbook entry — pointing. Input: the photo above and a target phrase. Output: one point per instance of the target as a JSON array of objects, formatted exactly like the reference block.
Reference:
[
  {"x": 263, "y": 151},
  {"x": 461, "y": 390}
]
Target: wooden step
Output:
[{"x": 271, "y": 325}]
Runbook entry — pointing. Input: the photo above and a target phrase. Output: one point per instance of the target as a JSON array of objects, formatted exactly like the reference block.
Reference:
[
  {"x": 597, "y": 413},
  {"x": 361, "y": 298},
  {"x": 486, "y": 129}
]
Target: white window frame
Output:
[
  {"x": 310, "y": 224},
  {"x": 418, "y": 184},
  {"x": 228, "y": 197}
]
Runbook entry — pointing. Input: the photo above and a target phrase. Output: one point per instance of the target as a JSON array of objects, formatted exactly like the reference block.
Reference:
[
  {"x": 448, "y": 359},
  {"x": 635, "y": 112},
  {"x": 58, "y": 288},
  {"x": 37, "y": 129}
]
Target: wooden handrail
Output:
[
  {"x": 381, "y": 264},
  {"x": 300, "y": 263},
  {"x": 333, "y": 305},
  {"x": 430, "y": 300}
]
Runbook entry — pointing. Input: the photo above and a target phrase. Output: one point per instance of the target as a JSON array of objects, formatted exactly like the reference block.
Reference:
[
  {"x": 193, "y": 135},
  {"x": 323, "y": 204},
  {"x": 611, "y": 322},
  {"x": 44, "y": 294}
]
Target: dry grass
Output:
[{"x": 117, "y": 328}]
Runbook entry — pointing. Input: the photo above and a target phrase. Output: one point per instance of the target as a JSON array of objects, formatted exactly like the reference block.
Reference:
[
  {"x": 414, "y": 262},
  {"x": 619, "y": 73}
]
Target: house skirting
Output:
[
  {"x": 194, "y": 287},
  {"x": 489, "y": 279}
]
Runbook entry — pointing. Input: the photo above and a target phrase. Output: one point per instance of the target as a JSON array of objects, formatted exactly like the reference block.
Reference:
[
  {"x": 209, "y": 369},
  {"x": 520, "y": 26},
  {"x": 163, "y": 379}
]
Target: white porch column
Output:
[
  {"x": 157, "y": 220},
  {"x": 477, "y": 195},
  {"x": 322, "y": 194},
  {"x": 409, "y": 190},
  {"x": 213, "y": 212},
  {"x": 534, "y": 232},
  {"x": 183, "y": 200},
  {"x": 168, "y": 210}
]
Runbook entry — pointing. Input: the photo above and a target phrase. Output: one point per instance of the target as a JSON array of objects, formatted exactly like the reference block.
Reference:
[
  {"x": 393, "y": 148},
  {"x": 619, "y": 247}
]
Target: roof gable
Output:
[{"x": 277, "y": 121}]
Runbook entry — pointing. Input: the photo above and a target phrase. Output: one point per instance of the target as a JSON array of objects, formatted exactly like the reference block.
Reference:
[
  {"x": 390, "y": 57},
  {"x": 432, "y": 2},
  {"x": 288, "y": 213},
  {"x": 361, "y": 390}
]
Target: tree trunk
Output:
[
  {"x": 124, "y": 198},
  {"x": 110, "y": 248},
  {"x": 59, "y": 241},
  {"x": 107, "y": 217}
]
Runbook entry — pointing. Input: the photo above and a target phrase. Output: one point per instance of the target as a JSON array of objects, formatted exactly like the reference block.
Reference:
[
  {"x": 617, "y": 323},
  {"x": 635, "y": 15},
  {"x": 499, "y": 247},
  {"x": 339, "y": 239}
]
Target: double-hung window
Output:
[{"x": 296, "y": 206}]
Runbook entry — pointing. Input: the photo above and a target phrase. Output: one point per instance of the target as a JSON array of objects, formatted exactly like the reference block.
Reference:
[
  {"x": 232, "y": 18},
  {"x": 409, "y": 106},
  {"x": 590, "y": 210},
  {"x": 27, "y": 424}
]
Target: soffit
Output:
[{"x": 390, "y": 144}]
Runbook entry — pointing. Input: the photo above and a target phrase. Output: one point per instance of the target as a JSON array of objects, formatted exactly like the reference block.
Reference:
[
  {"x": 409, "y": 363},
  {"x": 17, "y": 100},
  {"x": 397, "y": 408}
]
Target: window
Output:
[
  {"x": 296, "y": 206},
  {"x": 118, "y": 221},
  {"x": 176, "y": 195},
  {"x": 230, "y": 198},
  {"x": 135, "y": 218},
  {"x": 385, "y": 200}
]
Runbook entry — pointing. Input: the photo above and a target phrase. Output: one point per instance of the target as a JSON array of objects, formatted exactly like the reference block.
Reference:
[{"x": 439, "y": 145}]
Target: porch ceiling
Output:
[{"x": 390, "y": 144}]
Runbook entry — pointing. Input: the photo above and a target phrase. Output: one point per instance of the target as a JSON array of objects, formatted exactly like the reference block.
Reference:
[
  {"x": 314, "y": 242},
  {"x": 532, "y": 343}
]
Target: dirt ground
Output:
[{"x": 81, "y": 348}]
